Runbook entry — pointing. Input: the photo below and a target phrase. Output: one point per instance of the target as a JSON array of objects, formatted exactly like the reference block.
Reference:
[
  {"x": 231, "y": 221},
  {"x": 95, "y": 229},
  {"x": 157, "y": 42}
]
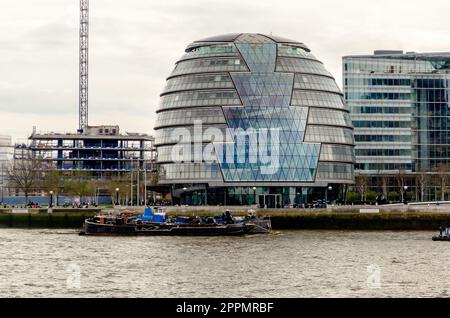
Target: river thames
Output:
[{"x": 59, "y": 263}]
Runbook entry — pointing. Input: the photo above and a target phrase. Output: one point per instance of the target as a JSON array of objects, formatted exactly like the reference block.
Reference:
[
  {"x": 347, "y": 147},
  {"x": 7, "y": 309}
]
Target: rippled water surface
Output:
[{"x": 38, "y": 263}]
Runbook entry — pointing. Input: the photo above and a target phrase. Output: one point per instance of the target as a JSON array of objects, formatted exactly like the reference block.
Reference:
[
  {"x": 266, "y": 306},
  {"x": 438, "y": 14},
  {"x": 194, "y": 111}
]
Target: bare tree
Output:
[
  {"x": 24, "y": 174},
  {"x": 384, "y": 178},
  {"x": 401, "y": 183},
  {"x": 441, "y": 177},
  {"x": 362, "y": 185},
  {"x": 422, "y": 181}
]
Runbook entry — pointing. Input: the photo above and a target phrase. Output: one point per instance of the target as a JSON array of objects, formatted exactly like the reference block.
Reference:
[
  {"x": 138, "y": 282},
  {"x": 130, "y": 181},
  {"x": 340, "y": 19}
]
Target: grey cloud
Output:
[{"x": 134, "y": 46}]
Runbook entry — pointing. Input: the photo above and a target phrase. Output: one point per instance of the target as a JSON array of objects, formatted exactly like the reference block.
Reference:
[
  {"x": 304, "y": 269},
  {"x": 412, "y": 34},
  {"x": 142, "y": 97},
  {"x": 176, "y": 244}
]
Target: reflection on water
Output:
[{"x": 59, "y": 263}]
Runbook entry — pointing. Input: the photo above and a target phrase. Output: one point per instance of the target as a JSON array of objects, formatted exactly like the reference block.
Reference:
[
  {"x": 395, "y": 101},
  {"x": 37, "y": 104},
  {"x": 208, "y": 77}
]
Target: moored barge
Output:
[{"x": 152, "y": 224}]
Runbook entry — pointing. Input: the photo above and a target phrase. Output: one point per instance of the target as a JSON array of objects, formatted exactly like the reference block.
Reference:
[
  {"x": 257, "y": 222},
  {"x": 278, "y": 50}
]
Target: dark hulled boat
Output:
[
  {"x": 444, "y": 235},
  {"x": 152, "y": 224}
]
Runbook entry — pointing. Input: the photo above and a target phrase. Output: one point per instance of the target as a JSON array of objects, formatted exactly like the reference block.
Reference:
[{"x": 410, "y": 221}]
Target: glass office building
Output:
[
  {"x": 399, "y": 104},
  {"x": 261, "y": 119}
]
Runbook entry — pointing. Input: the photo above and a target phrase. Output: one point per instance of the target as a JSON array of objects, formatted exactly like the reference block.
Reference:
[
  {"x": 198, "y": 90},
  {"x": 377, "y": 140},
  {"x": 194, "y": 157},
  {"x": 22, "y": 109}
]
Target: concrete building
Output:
[
  {"x": 241, "y": 86},
  {"x": 6, "y": 155}
]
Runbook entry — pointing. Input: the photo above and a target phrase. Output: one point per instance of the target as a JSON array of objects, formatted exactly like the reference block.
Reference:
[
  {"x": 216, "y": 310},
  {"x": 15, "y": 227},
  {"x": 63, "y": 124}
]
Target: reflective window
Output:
[
  {"x": 378, "y": 95},
  {"x": 383, "y": 152},
  {"x": 203, "y": 81},
  {"x": 383, "y": 166},
  {"x": 320, "y": 99},
  {"x": 170, "y": 136},
  {"x": 380, "y": 110},
  {"x": 316, "y": 82},
  {"x": 377, "y": 81},
  {"x": 382, "y": 138},
  {"x": 285, "y": 64},
  {"x": 182, "y": 171},
  {"x": 329, "y": 134},
  {"x": 209, "y": 65},
  {"x": 207, "y": 115},
  {"x": 200, "y": 98},
  {"x": 213, "y": 49},
  {"x": 293, "y": 51},
  {"x": 333, "y": 171},
  {"x": 329, "y": 117},
  {"x": 381, "y": 124},
  {"x": 337, "y": 153}
]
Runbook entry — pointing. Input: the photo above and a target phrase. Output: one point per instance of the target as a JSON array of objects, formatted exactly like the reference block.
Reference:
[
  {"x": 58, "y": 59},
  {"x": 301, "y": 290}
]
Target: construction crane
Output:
[{"x": 84, "y": 58}]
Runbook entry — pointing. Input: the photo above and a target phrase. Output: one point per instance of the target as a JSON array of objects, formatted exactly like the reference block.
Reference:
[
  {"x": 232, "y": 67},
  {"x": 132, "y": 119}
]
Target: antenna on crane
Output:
[{"x": 84, "y": 58}]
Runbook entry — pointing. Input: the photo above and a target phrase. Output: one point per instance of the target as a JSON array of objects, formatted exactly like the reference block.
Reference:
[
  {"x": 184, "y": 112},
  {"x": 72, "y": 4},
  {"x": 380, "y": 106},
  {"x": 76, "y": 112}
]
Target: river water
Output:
[{"x": 59, "y": 263}]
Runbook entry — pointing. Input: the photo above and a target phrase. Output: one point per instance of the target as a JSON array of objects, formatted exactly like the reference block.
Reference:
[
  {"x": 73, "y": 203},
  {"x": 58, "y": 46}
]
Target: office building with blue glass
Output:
[
  {"x": 245, "y": 98},
  {"x": 399, "y": 104}
]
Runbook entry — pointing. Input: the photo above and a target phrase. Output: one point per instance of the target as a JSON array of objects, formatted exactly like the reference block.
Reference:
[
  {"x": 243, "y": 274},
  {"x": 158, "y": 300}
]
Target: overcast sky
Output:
[{"x": 135, "y": 43}]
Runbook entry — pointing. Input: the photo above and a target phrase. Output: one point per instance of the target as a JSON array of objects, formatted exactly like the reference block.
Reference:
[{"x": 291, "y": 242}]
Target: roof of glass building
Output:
[{"x": 247, "y": 38}]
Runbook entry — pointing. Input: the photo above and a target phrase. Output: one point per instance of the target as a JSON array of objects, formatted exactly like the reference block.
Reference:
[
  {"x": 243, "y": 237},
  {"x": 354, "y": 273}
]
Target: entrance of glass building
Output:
[{"x": 270, "y": 201}]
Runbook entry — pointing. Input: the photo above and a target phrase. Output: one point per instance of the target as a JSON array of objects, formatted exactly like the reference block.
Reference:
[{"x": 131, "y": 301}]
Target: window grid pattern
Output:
[
  {"x": 329, "y": 135},
  {"x": 186, "y": 171},
  {"x": 379, "y": 110},
  {"x": 383, "y": 138},
  {"x": 335, "y": 171},
  {"x": 209, "y": 65},
  {"x": 319, "y": 99},
  {"x": 170, "y": 136},
  {"x": 207, "y": 115},
  {"x": 315, "y": 82},
  {"x": 383, "y": 166},
  {"x": 292, "y": 65},
  {"x": 203, "y": 81},
  {"x": 266, "y": 95},
  {"x": 200, "y": 98},
  {"x": 337, "y": 153},
  {"x": 329, "y": 117},
  {"x": 255, "y": 89},
  {"x": 292, "y": 51},
  {"x": 381, "y": 124},
  {"x": 383, "y": 152}
]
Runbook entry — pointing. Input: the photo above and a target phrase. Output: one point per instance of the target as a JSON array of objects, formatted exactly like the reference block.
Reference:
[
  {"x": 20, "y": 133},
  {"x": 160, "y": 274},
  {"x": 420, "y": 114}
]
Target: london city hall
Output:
[{"x": 252, "y": 119}]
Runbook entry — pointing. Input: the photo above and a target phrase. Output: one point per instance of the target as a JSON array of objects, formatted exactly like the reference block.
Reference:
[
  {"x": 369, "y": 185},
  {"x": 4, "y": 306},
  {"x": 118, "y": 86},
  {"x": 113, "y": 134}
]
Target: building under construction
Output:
[
  {"x": 97, "y": 152},
  {"x": 101, "y": 150}
]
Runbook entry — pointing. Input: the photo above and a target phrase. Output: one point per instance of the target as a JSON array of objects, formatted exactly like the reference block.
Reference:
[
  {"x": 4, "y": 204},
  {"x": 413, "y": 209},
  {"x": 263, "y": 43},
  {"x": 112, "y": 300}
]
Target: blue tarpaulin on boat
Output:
[
  {"x": 148, "y": 212},
  {"x": 182, "y": 219}
]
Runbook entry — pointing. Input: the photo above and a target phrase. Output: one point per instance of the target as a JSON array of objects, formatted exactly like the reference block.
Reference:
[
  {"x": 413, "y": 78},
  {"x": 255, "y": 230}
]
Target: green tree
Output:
[
  {"x": 393, "y": 196},
  {"x": 352, "y": 197},
  {"x": 371, "y": 196},
  {"x": 53, "y": 181},
  {"x": 80, "y": 185}
]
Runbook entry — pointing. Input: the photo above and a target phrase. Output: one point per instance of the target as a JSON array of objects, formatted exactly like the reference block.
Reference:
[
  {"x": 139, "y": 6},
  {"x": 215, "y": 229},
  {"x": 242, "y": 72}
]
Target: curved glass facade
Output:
[{"x": 250, "y": 110}]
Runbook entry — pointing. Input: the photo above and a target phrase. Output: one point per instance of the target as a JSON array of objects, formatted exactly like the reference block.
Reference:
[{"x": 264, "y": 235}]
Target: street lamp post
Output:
[
  {"x": 254, "y": 195},
  {"x": 329, "y": 188},
  {"x": 184, "y": 193},
  {"x": 404, "y": 194},
  {"x": 117, "y": 196},
  {"x": 50, "y": 203}
]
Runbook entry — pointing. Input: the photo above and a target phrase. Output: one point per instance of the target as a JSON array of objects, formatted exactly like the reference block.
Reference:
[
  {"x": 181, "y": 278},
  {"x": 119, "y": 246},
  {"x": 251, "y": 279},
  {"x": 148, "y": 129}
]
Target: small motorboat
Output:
[
  {"x": 157, "y": 223},
  {"x": 444, "y": 234}
]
